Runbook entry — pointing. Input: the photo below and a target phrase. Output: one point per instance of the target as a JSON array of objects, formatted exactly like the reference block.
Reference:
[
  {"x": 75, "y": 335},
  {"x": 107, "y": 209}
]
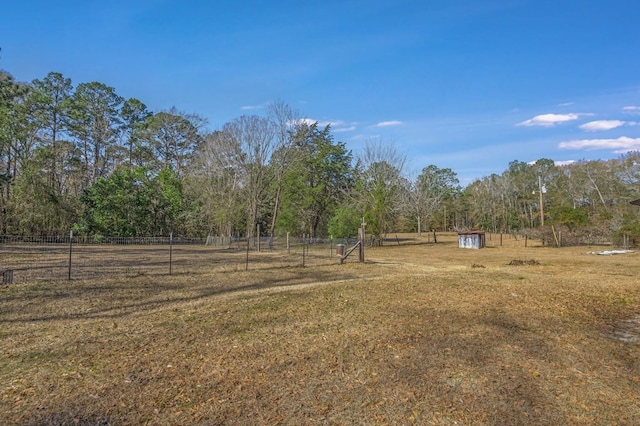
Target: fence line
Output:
[
  {"x": 59, "y": 258},
  {"x": 36, "y": 258},
  {"x": 83, "y": 239}
]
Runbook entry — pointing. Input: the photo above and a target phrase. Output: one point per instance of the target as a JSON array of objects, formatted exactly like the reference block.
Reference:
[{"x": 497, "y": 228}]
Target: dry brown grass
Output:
[{"x": 419, "y": 334}]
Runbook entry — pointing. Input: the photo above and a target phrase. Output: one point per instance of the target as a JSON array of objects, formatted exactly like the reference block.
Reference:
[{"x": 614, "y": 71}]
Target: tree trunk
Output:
[{"x": 275, "y": 212}]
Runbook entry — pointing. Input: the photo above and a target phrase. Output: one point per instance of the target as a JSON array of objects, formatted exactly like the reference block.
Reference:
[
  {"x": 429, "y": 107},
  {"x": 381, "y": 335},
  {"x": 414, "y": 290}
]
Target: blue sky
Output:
[{"x": 465, "y": 84}]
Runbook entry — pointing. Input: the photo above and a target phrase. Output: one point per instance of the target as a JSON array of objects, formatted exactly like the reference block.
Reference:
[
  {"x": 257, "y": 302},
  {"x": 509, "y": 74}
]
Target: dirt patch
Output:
[
  {"x": 517, "y": 262},
  {"x": 627, "y": 331}
]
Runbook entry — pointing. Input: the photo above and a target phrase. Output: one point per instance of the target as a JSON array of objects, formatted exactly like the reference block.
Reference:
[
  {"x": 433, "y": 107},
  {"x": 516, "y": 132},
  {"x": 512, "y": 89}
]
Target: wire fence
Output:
[
  {"x": 97, "y": 239},
  {"x": 57, "y": 258}
]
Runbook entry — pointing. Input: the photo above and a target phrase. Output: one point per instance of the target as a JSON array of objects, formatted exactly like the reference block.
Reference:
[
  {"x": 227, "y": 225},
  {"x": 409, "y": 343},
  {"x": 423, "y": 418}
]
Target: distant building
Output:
[{"x": 471, "y": 239}]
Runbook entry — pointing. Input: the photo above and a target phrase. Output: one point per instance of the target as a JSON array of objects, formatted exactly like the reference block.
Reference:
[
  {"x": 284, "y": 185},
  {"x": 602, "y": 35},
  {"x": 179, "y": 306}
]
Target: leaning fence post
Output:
[{"x": 70, "y": 250}]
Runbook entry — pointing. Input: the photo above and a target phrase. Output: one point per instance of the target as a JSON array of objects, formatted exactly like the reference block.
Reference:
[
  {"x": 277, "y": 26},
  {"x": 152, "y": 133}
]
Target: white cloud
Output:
[
  {"x": 389, "y": 123},
  {"x": 307, "y": 121},
  {"x": 564, "y": 162},
  {"x": 361, "y": 136},
  {"x": 345, "y": 129},
  {"x": 550, "y": 120},
  {"x": 251, "y": 107},
  {"x": 330, "y": 123},
  {"x": 556, "y": 163},
  {"x": 620, "y": 145},
  {"x": 566, "y": 104},
  {"x": 599, "y": 125},
  {"x": 631, "y": 109},
  {"x": 311, "y": 121},
  {"x": 336, "y": 126}
]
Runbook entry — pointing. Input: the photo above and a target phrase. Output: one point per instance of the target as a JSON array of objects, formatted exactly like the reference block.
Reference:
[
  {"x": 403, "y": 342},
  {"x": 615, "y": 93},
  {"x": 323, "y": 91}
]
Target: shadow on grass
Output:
[
  {"x": 484, "y": 363},
  {"x": 158, "y": 294}
]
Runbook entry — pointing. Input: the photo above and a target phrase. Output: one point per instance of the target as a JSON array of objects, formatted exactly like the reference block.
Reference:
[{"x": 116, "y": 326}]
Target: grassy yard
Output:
[{"x": 421, "y": 333}]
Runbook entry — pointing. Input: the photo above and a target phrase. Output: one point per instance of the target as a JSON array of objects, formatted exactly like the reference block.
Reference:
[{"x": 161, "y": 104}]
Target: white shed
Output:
[{"x": 471, "y": 239}]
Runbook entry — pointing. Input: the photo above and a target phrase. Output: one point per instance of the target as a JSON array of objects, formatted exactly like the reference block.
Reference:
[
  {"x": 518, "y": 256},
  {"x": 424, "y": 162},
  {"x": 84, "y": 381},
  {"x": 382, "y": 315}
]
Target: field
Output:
[
  {"x": 421, "y": 333},
  {"x": 57, "y": 261}
]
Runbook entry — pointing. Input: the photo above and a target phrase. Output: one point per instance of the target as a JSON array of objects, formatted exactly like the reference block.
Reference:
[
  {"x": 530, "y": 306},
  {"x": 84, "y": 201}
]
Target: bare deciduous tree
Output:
[
  {"x": 381, "y": 184},
  {"x": 215, "y": 181},
  {"x": 286, "y": 123},
  {"x": 428, "y": 191},
  {"x": 256, "y": 138}
]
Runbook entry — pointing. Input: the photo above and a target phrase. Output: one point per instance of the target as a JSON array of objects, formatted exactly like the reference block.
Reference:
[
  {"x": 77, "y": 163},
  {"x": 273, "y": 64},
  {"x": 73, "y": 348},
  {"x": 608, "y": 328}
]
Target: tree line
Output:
[{"x": 83, "y": 158}]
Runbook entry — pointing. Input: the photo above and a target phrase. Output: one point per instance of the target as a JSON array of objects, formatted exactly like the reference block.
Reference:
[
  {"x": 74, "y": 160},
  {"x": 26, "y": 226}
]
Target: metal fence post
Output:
[
  {"x": 303, "y": 248},
  {"x": 170, "y": 253},
  {"x": 70, "y": 250},
  {"x": 258, "y": 235},
  {"x": 246, "y": 265}
]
